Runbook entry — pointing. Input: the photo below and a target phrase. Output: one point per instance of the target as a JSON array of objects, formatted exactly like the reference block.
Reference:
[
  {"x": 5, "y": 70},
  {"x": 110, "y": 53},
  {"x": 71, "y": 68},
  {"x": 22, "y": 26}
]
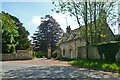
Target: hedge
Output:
[{"x": 109, "y": 49}]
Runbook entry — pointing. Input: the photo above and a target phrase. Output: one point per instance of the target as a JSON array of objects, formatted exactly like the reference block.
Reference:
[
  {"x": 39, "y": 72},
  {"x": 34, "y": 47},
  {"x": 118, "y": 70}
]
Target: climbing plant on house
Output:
[{"x": 109, "y": 49}]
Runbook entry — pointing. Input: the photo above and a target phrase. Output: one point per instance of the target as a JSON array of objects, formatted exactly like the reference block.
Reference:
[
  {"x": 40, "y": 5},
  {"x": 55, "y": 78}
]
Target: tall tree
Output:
[
  {"x": 14, "y": 35},
  {"x": 96, "y": 9},
  {"x": 49, "y": 32},
  {"x": 9, "y": 33},
  {"x": 23, "y": 41},
  {"x": 79, "y": 11},
  {"x": 95, "y": 21},
  {"x": 86, "y": 29}
]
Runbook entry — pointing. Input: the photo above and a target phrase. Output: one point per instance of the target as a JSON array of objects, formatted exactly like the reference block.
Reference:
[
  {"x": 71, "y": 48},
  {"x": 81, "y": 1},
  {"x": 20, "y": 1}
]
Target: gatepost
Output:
[{"x": 49, "y": 51}]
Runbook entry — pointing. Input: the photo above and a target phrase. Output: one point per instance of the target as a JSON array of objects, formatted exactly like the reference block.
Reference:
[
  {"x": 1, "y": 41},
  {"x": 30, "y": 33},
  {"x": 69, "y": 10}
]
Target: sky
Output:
[{"x": 30, "y": 13}]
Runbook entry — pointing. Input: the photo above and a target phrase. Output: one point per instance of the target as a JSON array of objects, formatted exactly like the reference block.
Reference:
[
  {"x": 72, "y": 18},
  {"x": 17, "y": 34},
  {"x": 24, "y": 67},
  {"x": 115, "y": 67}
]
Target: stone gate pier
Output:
[{"x": 49, "y": 51}]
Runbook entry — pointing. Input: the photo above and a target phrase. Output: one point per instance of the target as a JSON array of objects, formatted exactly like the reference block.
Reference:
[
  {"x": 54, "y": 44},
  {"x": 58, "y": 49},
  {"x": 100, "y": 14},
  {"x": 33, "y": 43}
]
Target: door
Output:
[{"x": 71, "y": 53}]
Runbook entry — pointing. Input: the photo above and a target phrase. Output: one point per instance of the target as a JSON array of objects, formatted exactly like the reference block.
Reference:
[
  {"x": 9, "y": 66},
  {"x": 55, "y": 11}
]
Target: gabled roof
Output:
[
  {"x": 75, "y": 34},
  {"x": 69, "y": 37}
]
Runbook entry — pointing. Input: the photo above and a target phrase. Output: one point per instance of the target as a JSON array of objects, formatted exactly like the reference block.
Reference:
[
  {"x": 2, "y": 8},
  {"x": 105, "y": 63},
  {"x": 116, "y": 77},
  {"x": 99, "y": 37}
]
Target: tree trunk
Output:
[
  {"x": 86, "y": 29},
  {"x": 95, "y": 21},
  {"x": 91, "y": 36}
]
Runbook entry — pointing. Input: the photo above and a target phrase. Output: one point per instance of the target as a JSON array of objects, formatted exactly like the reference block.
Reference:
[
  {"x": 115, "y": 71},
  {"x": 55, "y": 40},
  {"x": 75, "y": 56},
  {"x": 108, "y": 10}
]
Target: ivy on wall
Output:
[{"x": 109, "y": 49}]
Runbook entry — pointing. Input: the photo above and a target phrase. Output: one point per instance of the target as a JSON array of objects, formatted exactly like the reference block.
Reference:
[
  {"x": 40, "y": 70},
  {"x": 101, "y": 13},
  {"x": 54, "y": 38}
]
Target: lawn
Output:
[{"x": 98, "y": 64}]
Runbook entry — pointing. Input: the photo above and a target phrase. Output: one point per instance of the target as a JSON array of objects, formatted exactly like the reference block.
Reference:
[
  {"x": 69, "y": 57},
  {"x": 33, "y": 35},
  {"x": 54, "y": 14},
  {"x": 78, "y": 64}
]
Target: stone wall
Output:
[
  {"x": 118, "y": 54},
  {"x": 92, "y": 52},
  {"x": 76, "y": 49},
  {"x": 20, "y": 55}
]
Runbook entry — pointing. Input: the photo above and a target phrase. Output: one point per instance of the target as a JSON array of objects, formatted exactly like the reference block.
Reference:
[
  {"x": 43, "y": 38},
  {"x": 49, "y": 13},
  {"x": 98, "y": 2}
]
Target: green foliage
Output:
[
  {"x": 23, "y": 34},
  {"x": 64, "y": 59},
  {"x": 102, "y": 64},
  {"x": 100, "y": 11},
  {"x": 33, "y": 57},
  {"x": 9, "y": 33},
  {"x": 49, "y": 32},
  {"x": 118, "y": 37},
  {"x": 109, "y": 49},
  {"x": 39, "y": 54},
  {"x": 14, "y": 35},
  {"x": 54, "y": 54},
  {"x": 22, "y": 39}
]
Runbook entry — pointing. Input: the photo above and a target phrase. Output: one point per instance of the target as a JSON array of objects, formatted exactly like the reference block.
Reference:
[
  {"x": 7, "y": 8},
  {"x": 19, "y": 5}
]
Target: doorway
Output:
[{"x": 71, "y": 53}]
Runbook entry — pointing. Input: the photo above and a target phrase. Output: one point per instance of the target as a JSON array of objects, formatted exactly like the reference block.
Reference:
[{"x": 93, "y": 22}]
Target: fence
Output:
[{"x": 20, "y": 55}]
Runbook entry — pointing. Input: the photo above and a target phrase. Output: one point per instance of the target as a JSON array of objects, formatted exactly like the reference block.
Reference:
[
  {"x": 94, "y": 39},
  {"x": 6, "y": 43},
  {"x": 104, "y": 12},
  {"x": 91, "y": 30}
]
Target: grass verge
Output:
[{"x": 97, "y": 64}]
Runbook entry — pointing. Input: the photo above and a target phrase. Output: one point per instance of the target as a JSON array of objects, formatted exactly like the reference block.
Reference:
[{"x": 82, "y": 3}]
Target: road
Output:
[{"x": 55, "y": 69}]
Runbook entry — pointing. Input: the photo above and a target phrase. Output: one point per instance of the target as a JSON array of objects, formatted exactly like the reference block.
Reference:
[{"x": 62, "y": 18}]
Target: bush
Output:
[
  {"x": 109, "y": 49},
  {"x": 118, "y": 37},
  {"x": 39, "y": 54},
  {"x": 54, "y": 54}
]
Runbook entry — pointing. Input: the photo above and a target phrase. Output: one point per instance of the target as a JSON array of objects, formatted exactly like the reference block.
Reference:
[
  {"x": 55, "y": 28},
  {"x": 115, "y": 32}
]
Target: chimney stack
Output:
[{"x": 68, "y": 30}]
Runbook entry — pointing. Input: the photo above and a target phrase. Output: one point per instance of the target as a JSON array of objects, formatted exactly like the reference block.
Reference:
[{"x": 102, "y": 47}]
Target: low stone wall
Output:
[
  {"x": 92, "y": 52},
  {"x": 118, "y": 54},
  {"x": 20, "y": 55}
]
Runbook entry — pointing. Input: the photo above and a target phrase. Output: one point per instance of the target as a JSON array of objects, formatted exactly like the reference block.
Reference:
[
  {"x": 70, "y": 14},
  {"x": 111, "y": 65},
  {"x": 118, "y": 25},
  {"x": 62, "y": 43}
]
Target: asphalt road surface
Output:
[{"x": 22, "y": 69}]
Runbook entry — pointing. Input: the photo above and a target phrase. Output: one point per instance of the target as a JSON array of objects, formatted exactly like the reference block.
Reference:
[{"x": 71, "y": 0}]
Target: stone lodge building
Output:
[{"x": 71, "y": 41}]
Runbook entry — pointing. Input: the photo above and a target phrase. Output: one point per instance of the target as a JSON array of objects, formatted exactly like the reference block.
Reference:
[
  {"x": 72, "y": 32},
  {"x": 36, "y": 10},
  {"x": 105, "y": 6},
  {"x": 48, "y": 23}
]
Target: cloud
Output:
[
  {"x": 64, "y": 20},
  {"x": 61, "y": 18},
  {"x": 36, "y": 20}
]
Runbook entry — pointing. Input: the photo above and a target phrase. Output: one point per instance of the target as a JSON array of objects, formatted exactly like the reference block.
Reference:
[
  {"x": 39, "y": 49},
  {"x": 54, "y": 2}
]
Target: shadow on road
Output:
[{"x": 53, "y": 72}]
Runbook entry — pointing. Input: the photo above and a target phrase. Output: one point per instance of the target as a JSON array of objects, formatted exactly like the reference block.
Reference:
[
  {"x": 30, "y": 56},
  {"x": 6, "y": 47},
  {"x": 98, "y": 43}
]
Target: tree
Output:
[
  {"x": 98, "y": 12},
  {"x": 86, "y": 29},
  {"x": 14, "y": 35},
  {"x": 79, "y": 11},
  {"x": 9, "y": 33},
  {"x": 23, "y": 41},
  {"x": 49, "y": 32}
]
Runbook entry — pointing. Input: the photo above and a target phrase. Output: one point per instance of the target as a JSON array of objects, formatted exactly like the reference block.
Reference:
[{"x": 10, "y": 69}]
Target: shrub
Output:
[
  {"x": 109, "y": 49},
  {"x": 118, "y": 37},
  {"x": 39, "y": 54},
  {"x": 54, "y": 54}
]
